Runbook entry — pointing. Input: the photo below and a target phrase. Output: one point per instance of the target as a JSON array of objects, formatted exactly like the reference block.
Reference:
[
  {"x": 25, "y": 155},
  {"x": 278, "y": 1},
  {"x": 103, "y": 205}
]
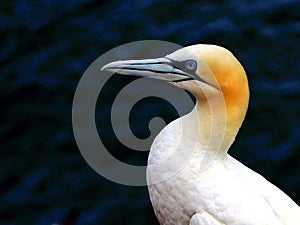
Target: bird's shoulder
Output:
[{"x": 282, "y": 205}]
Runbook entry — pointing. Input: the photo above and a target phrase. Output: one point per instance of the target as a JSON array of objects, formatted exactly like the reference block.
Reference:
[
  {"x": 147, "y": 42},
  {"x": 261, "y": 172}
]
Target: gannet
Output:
[{"x": 223, "y": 191}]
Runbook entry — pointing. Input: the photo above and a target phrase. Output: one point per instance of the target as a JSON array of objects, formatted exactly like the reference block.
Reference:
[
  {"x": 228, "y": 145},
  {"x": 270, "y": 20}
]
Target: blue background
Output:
[{"x": 47, "y": 45}]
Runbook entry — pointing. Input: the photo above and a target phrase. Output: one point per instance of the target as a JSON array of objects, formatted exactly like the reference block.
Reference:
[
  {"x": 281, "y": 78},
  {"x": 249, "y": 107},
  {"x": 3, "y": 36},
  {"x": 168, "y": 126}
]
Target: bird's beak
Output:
[{"x": 159, "y": 68}]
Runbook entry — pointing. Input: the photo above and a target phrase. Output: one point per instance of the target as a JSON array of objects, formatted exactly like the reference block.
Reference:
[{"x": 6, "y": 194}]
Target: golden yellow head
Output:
[
  {"x": 204, "y": 70},
  {"x": 219, "y": 68}
]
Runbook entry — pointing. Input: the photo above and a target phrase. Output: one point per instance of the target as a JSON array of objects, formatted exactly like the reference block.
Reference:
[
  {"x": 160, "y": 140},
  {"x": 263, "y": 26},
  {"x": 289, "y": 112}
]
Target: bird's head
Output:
[{"x": 204, "y": 70}]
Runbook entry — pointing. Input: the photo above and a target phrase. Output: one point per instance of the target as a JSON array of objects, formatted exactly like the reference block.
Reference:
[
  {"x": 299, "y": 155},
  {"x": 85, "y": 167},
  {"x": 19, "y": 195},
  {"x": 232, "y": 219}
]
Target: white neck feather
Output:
[{"x": 200, "y": 136}]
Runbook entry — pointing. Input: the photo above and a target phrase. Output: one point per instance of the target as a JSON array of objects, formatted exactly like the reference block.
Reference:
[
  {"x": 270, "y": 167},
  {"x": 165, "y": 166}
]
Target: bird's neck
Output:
[
  {"x": 218, "y": 122},
  {"x": 200, "y": 137}
]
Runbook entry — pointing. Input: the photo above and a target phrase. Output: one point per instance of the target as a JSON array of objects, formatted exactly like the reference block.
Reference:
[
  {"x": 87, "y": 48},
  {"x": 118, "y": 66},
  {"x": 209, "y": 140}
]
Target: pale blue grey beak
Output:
[{"x": 159, "y": 68}]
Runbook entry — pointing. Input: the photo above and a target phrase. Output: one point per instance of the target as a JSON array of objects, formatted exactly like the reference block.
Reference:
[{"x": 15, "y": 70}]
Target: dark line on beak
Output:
[
  {"x": 184, "y": 79},
  {"x": 154, "y": 71}
]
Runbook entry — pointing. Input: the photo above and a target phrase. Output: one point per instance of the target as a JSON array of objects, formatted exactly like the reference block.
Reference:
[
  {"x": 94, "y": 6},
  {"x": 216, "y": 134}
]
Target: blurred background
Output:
[{"x": 47, "y": 45}]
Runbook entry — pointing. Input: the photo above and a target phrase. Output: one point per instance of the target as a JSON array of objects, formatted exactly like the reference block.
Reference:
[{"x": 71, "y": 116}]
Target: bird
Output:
[{"x": 192, "y": 180}]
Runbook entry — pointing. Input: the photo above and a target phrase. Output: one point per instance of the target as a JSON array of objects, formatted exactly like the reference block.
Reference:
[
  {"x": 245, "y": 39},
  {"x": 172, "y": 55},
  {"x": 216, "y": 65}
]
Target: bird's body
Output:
[
  {"x": 191, "y": 178},
  {"x": 227, "y": 193}
]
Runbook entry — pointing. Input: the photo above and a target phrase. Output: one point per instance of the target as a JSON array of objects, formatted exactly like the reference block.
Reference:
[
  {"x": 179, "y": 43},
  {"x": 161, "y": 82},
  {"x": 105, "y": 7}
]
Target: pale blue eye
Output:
[{"x": 190, "y": 65}]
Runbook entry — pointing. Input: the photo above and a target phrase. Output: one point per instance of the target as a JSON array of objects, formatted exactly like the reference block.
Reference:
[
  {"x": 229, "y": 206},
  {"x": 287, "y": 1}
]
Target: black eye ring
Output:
[{"x": 190, "y": 65}]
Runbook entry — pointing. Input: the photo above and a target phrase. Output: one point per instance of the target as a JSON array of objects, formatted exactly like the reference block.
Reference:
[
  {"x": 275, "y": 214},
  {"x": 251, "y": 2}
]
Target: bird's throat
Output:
[{"x": 219, "y": 120}]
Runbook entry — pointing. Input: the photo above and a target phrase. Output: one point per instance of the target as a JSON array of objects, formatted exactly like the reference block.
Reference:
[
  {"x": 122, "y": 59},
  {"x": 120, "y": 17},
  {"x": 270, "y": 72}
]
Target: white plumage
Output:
[
  {"x": 226, "y": 193},
  {"x": 192, "y": 180}
]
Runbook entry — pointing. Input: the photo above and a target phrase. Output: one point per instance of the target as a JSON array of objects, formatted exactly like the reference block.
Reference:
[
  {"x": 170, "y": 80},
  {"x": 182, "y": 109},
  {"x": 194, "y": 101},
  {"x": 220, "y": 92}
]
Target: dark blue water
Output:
[{"x": 47, "y": 45}]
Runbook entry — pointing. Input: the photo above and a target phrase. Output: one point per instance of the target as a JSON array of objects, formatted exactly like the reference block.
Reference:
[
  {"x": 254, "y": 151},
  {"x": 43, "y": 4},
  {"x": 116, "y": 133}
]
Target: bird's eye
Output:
[{"x": 190, "y": 65}]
